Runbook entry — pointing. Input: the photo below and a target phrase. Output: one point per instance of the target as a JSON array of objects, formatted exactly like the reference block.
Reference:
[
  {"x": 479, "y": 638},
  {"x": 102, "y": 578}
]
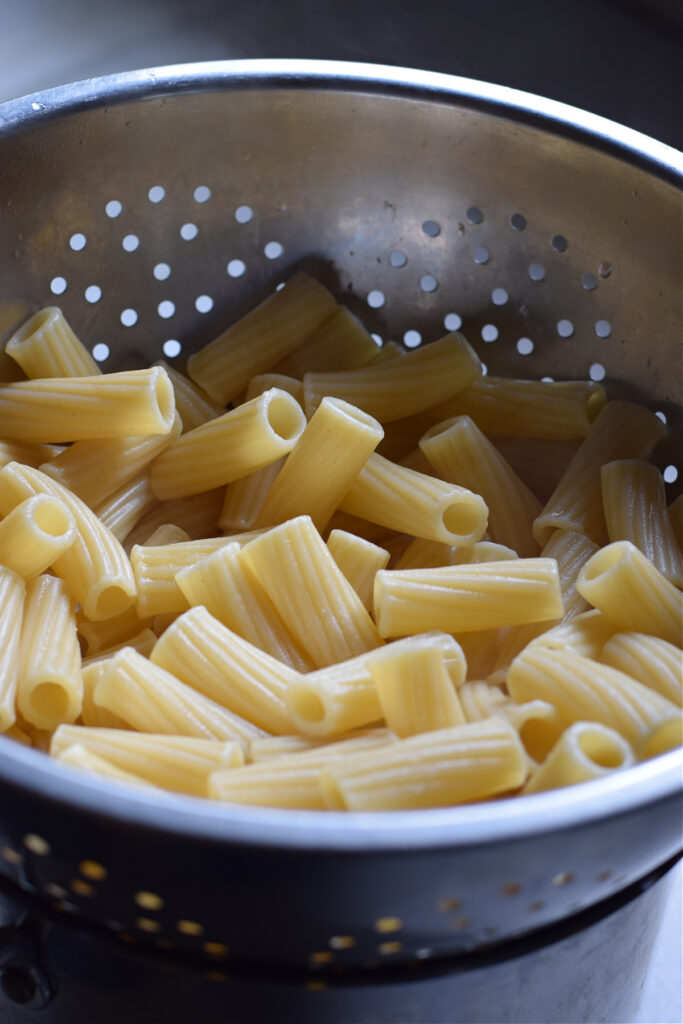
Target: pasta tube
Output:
[
  {"x": 340, "y": 343},
  {"x": 342, "y": 697},
  {"x": 217, "y": 662},
  {"x": 571, "y": 551},
  {"x": 413, "y": 503},
  {"x": 155, "y": 568},
  {"x": 396, "y": 388},
  {"x": 623, "y": 430},
  {"x": 193, "y": 405},
  {"x": 483, "y": 551},
  {"x": 500, "y": 407},
  {"x": 29, "y": 454},
  {"x": 35, "y": 533},
  {"x": 167, "y": 533},
  {"x": 124, "y": 509},
  {"x": 585, "y": 751},
  {"x": 50, "y": 688},
  {"x": 99, "y": 636},
  {"x": 675, "y": 515},
  {"x": 635, "y": 509},
  {"x": 359, "y": 560},
  {"x": 426, "y": 554},
  {"x": 436, "y": 769},
  {"x": 152, "y": 700},
  {"x": 586, "y": 635},
  {"x": 197, "y": 515},
  {"x": 273, "y": 747},
  {"x": 667, "y": 737},
  {"x": 583, "y": 690},
  {"x": 95, "y": 566},
  {"x": 261, "y": 338},
  {"x": 479, "y": 700},
  {"x": 250, "y": 436},
  {"x": 79, "y": 467},
  {"x": 317, "y": 604},
  {"x": 45, "y": 346},
  {"x": 540, "y": 464},
  {"x": 326, "y": 460},
  {"x": 75, "y": 408},
  {"x": 12, "y": 594},
  {"x": 460, "y": 453},
  {"x": 223, "y": 583},
  {"x": 415, "y": 690},
  {"x": 621, "y": 582},
  {"x": 92, "y": 714},
  {"x": 465, "y": 598},
  {"x": 78, "y": 756},
  {"x": 389, "y": 350},
  {"x": 179, "y": 763},
  {"x": 294, "y": 780},
  {"x": 538, "y": 723},
  {"x": 653, "y": 662}
]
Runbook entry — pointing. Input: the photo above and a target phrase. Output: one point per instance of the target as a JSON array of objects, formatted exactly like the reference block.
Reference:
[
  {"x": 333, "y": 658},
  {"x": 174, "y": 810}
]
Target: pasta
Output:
[
  {"x": 155, "y": 568},
  {"x": 193, "y": 405},
  {"x": 653, "y": 662},
  {"x": 34, "y": 534},
  {"x": 415, "y": 690},
  {"x": 586, "y": 750},
  {"x": 359, "y": 560},
  {"x": 12, "y": 595},
  {"x": 124, "y": 509},
  {"x": 340, "y": 343},
  {"x": 45, "y": 346}
]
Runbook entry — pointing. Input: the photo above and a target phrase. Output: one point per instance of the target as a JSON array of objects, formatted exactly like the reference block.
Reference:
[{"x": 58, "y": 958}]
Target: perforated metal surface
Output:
[{"x": 156, "y": 208}]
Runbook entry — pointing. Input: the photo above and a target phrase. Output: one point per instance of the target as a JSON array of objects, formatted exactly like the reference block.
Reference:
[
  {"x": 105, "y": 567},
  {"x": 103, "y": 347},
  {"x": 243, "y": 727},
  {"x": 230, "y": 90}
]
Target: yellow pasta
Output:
[
  {"x": 326, "y": 460},
  {"x": 479, "y": 700},
  {"x": 635, "y": 509},
  {"x": 50, "y": 688},
  {"x": 95, "y": 566},
  {"x": 151, "y": 699},
  {"x": 389, "y": 350},
  {"x": 35, "y": 533},
  {"x": 29, "y": 454},
  {"x": 621, "y": 582},
  {"x": 342, "y": 697},
  {"x": 340, "y": 343},
  {"x": 623, "y": 430},
  {"x": 538, "y": 463},
  {"x": 436, "y": 769},
  {"x": 395, "y": 388},
  {"x": 92, "y": 714},
  {"x": 415, "y": 690},
  {"x": 12, "y": 594},
  {"x": 124, "y": 509},
  {"x": 167, "y": 533},
  {"x": 510, "y": 642},
  {"x": 45, "y": 346},
  {"x": 583, "y": 690},
  {"x": 585, "y": 751},
  {"x": 262, "y": 338},
  {"x": 465, "y": 598},
  {"x": 197, "y": 515},
  {"x": 483, "y": 551},
  {"x": 358, "y": 559},
  {"x": 233, "y": 445},
  {"x": 462, "y": 454},
  {"x": 75, "y": 408},
  {"x": 100, "y": 636},
  {"x": 412, "y": 503},
  {"x": 675, "y": 515},
  {"x": 193, "y": 405},
  {"x": 87, "y": 761},
  {"x": 217, "y": 662},
  {"x": 501, "y": 407},
  {"x": 586, "y": 634},
  {"x": 294, "y": 780},
  {"x": 667, "y": 737},
  {"x": 270, "y": 748},
  {"x": 79, "y": 467},
  {"x": 179, "y": 763},
  {"x": 155, "y": 567},
  {"x": 224, "y": 584},
  {"x": 538, "y": 723},
  {"x": 427, "y": 554},
  {"x": 571, "y": 551},
  {"x": 653, "y": 662},
  {"x": 15, "y": 733},
  {"x": 315, "y": 601},
  {"x": 143, "y": 642}
]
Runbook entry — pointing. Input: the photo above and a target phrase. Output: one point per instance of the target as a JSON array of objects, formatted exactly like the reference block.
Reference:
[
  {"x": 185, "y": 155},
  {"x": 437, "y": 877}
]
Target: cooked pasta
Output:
[
  {"x": 586, "y": 750},
  {"x": 414, "y": 689},
  {"x": 586, "y": 634},
  {"x": 653, "y": 662},
  {"x": 571, "y": 551},
  {"x": 12, "y": 595},
  {"x": 124, "y": 509},
  {"x": 197, "y": 515},
  {"x": 193, "y": 405},
  {"x": 155, "y": 567},
  {"x": 675, "y": 515},
  {"x": 46, "y": 346},
  {"x": 359, "y": 560},
  {"x": 34, "y": 534},
  {"x": 340, "y": 343},
  {"x": 88, "y": 761}
]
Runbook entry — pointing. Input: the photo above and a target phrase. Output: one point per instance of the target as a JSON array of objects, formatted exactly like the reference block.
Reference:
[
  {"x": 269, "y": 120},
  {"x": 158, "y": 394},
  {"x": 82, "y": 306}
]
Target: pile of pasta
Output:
[{"x": 314, "y": 573}]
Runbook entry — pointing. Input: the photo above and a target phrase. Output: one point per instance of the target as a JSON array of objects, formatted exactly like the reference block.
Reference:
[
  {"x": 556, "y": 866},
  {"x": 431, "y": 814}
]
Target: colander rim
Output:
[{"x": 30, "y": 771}]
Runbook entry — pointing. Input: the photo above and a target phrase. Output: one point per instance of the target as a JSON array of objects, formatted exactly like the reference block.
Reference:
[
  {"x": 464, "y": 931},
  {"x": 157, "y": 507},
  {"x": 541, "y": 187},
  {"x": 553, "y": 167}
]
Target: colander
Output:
[{"x": 155, "y": 207}]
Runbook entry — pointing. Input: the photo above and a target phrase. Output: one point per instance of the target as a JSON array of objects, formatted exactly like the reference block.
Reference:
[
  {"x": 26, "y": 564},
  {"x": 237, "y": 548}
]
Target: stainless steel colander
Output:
[{"x": 155, "y": 207}]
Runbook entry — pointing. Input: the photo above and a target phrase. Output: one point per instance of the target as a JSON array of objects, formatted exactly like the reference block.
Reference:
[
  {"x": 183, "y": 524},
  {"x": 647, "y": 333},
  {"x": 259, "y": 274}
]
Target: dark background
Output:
[{"x": 619, "y": 58}]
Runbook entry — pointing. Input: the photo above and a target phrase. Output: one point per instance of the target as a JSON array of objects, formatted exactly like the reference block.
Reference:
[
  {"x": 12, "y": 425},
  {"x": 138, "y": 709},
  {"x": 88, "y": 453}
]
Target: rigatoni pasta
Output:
[
  {"x": 46, "y": 346},
  {"x": 12, "y": 595},
  {"x": 35, "y": 533},
  {"x": 359, "y": 560}
]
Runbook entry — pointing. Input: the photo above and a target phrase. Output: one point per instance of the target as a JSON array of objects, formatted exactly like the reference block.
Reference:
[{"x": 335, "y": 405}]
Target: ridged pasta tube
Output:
[
  {"x": 193, "y": 405},
  {"x": 584, "y": 690},
  {"x": 217, "y": 662},
  {"x": 153, "y": 700},
  {"x": 667, "y": 737},
  {"x": 426, "y": 554},
  {"x": 623, "y": 430},
  {"x": 95, "y": 566},
  {"x": 197, "y": 515},
  {"x": 124, "y": 509},
  {"x": 155, "y": 567},
  {"x": 79, "y": 467},
  {"x": 78, "y": 756},
  {"x": 342, "y": 697},
  {"x": 92, "y": 714},
  {"x": 479, "y": 700},
  {"x": 223, "y": 583},
  {"x": 465, "y": 598},
  {"x": 314, "y": 599},
  {"x": 60, "y": 409},
  {"x": 233, "y": 445},
  {"x": 653, "y": 662},
  {"x": 675, "y": 515},
  {"x": 502, "y": 407},
  {"x": 585, "y": 751},
  {"x": 328, "y": 458},
  {"x": 35, "y": 533},
  {"x": 167, "y": 533},
  {"x": 50, "y": 689},
  {"x": 621, "y": 582},
  {"x": 359, "y": 560},
  {"x": 415, "y": 690},
  {"x": 461, "y": 453},
  {"x": 413, "y": 503},
  {"x": 179, "y": 763},
  {"x": 46, "y": 346},
  {"x": 571, "y": 551},
  {"x": 634, "y": 503},
  {"x": 99, "y": 636},
  {"x": 261, "y": 338},
  {"x": 339, "y": 343},
  {"x": 12, "y": 594},
  {"x": 28, "y": 454},
  {"x": 483, "y": 551},
  {"x": 435, "y": 769},
  {"x": 586, "y": 634},
  {"x": 395, "y": 388}
]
